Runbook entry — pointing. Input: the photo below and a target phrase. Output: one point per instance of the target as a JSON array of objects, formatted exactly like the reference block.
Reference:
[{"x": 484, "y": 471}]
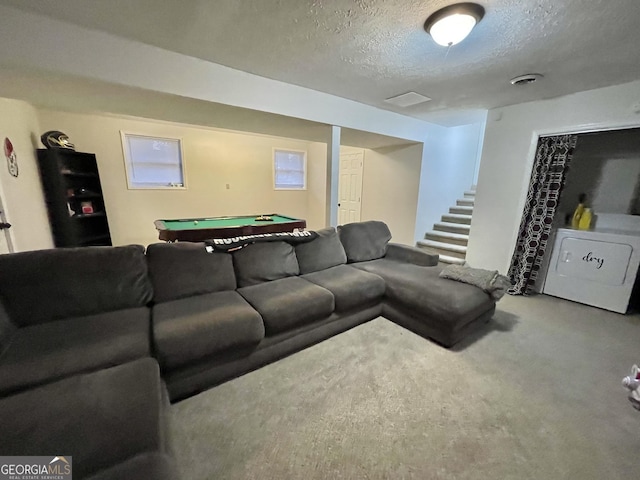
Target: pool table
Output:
[{"x": 200, "y": 229}]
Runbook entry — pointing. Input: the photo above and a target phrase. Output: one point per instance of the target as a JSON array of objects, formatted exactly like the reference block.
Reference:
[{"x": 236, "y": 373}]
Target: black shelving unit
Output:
[{"x": 73, "y": 194}]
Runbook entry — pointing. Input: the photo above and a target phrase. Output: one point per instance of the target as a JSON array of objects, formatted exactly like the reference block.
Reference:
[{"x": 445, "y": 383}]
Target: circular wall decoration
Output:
[{"x": 12, "y": 157}]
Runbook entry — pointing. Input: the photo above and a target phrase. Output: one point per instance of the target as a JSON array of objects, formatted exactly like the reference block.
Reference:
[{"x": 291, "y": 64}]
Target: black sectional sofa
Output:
[{"x": 95, "y": 341}]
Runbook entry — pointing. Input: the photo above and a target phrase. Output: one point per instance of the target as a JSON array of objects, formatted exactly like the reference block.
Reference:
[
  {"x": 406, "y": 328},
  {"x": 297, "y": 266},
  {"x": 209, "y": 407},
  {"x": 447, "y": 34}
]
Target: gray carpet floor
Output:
[{"x": 535, "y": 395}]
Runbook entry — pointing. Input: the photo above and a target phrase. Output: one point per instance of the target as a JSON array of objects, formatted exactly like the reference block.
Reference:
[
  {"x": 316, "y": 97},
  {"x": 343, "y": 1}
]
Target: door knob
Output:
[{"x": 4, "y": 225}]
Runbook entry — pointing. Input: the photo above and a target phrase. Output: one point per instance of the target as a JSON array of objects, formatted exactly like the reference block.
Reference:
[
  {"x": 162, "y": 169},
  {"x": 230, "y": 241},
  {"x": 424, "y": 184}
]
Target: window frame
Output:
[
  {"x": 128, "y": 162},
  {"x": 304, "y": 169}
]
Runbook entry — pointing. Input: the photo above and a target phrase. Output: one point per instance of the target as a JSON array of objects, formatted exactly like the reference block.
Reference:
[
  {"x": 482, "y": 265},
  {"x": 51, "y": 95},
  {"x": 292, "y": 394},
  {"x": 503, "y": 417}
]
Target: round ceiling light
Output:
[{"x": 450, "y": 25}]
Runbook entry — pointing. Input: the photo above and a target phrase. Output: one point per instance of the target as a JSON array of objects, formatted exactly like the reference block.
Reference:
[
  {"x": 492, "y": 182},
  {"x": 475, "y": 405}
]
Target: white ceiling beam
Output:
[{"x": 39, "y": 44}]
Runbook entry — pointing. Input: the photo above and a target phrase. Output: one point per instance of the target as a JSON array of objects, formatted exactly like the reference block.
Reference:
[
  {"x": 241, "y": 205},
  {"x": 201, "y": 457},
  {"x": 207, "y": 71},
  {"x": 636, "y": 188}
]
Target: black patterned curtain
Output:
[{"x": 553, "y": 156}]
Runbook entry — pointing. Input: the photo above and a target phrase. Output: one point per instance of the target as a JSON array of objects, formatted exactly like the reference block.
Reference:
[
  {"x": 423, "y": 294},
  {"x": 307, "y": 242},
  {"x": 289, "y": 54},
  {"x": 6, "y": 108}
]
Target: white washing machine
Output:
[{"x": 596, "y": 267}]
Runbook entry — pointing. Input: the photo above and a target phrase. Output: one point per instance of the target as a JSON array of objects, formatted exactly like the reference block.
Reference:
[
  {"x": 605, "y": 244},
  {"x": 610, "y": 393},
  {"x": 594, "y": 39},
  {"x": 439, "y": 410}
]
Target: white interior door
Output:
[{"x": 350, "y": 187}]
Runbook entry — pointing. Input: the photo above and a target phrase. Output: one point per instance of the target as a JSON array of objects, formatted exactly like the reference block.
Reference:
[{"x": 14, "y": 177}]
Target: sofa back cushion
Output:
[
  {"x": 263, "y": 262},
  {"x": 6, "y": 329},
  {"x": 324, "y": 252},
  {"x": 45, "y": 285},
  {"x": 185, "y": 269},
  {"x": 364, "y": 241}
]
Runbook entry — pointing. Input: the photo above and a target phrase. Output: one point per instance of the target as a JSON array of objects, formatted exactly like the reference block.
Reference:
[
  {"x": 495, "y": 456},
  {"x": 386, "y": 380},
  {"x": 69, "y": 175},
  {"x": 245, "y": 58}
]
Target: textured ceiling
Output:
[{"x": 368, "y": 50}]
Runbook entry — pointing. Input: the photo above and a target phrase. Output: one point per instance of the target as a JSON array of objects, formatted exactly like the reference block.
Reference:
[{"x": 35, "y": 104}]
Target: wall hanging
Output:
[{"x": 12, "y": 157}]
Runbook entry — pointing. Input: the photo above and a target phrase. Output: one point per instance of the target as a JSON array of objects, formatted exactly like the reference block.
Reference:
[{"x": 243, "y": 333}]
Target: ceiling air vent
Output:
[
  {"x": 407, "y": 99},
  {"x": 526, "y": 79}
]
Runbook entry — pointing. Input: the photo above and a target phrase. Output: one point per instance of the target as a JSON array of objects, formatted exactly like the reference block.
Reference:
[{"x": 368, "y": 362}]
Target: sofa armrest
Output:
[{"x": 408, "y": 254}]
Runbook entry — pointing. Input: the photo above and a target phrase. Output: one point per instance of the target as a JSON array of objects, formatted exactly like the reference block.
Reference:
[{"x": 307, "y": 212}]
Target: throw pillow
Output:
[{"x": 490, "y": 281}]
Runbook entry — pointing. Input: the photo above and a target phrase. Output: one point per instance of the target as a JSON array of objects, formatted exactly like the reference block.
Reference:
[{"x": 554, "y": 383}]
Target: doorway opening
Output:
[{"x": 604, "y": 177}]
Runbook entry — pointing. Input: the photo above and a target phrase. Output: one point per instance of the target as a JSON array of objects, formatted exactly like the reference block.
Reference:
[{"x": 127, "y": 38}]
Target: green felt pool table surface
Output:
[
  {"x": 199, "y": 229},
  {"x": 221, "y": 222}
]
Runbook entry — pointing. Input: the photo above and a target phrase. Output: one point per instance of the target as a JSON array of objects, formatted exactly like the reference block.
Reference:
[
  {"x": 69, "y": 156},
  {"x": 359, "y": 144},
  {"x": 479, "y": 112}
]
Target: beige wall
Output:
[
  {"x": 391, "y": 180},
  {"x": 22, "y": 196},
  {"x": 213, "y": 159}
]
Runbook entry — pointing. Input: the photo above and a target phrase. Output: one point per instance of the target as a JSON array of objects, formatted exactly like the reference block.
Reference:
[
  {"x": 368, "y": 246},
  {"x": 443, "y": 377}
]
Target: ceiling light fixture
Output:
[
  {"x": 526, "y": 79},
  {"x": 452, "y": 24}
]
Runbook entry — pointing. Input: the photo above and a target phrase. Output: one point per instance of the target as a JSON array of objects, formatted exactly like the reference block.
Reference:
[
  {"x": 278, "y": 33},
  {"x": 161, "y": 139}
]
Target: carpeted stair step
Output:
[
  {"x": 442, "y": 248},
  {"x": 451, "y": 260},
  {"x": 470, "y": 194},
  {"x": 457, "y": 218},
  {"x": 443, "y": 256},
  {"x": 465, "y": 202},
  {"x": 447, "y": 237},
  {"x": 461, "y": 210},
  {"x": 452, "y": 227}
]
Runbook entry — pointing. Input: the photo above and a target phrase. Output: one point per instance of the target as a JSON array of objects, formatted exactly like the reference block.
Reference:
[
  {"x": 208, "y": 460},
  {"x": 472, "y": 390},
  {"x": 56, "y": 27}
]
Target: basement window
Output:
[
  {"x": 289, "y": 169},
  {"x": 153, "y": 162}
]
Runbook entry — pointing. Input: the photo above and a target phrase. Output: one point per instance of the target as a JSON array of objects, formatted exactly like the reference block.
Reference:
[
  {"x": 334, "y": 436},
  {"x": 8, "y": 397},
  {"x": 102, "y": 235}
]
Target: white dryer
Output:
[{"x": 596, "y": 267}]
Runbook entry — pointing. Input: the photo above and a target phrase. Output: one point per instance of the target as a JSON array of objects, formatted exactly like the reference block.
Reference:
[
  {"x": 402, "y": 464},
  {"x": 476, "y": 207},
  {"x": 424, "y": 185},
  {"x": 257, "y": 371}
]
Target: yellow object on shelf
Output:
[
  {"x": 585, "y": 219},
  {"x": 575, "y": 221}
]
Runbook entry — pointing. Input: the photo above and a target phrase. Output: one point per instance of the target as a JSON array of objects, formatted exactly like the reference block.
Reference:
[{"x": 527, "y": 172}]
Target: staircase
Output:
[{"x": 450, "y": 236}]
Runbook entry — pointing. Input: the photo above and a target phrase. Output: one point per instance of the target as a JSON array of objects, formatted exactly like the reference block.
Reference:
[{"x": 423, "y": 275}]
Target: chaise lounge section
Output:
[{"x": 416, "y": 297}]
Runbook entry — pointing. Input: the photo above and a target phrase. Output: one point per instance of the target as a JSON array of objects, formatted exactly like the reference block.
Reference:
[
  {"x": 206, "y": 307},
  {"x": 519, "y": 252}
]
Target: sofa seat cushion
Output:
[
  {"x": 289, "y": 302},
  {"x": 50, "y": 351},
  {"x": 351, "y": 287},
  {"x": 101, "y": 419},
  {"x": 192, "y": 328},
  {"x": 321, "y": 253},
  {"x": 422, "y": 291},
  {"x": 147, "y": 466}
]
